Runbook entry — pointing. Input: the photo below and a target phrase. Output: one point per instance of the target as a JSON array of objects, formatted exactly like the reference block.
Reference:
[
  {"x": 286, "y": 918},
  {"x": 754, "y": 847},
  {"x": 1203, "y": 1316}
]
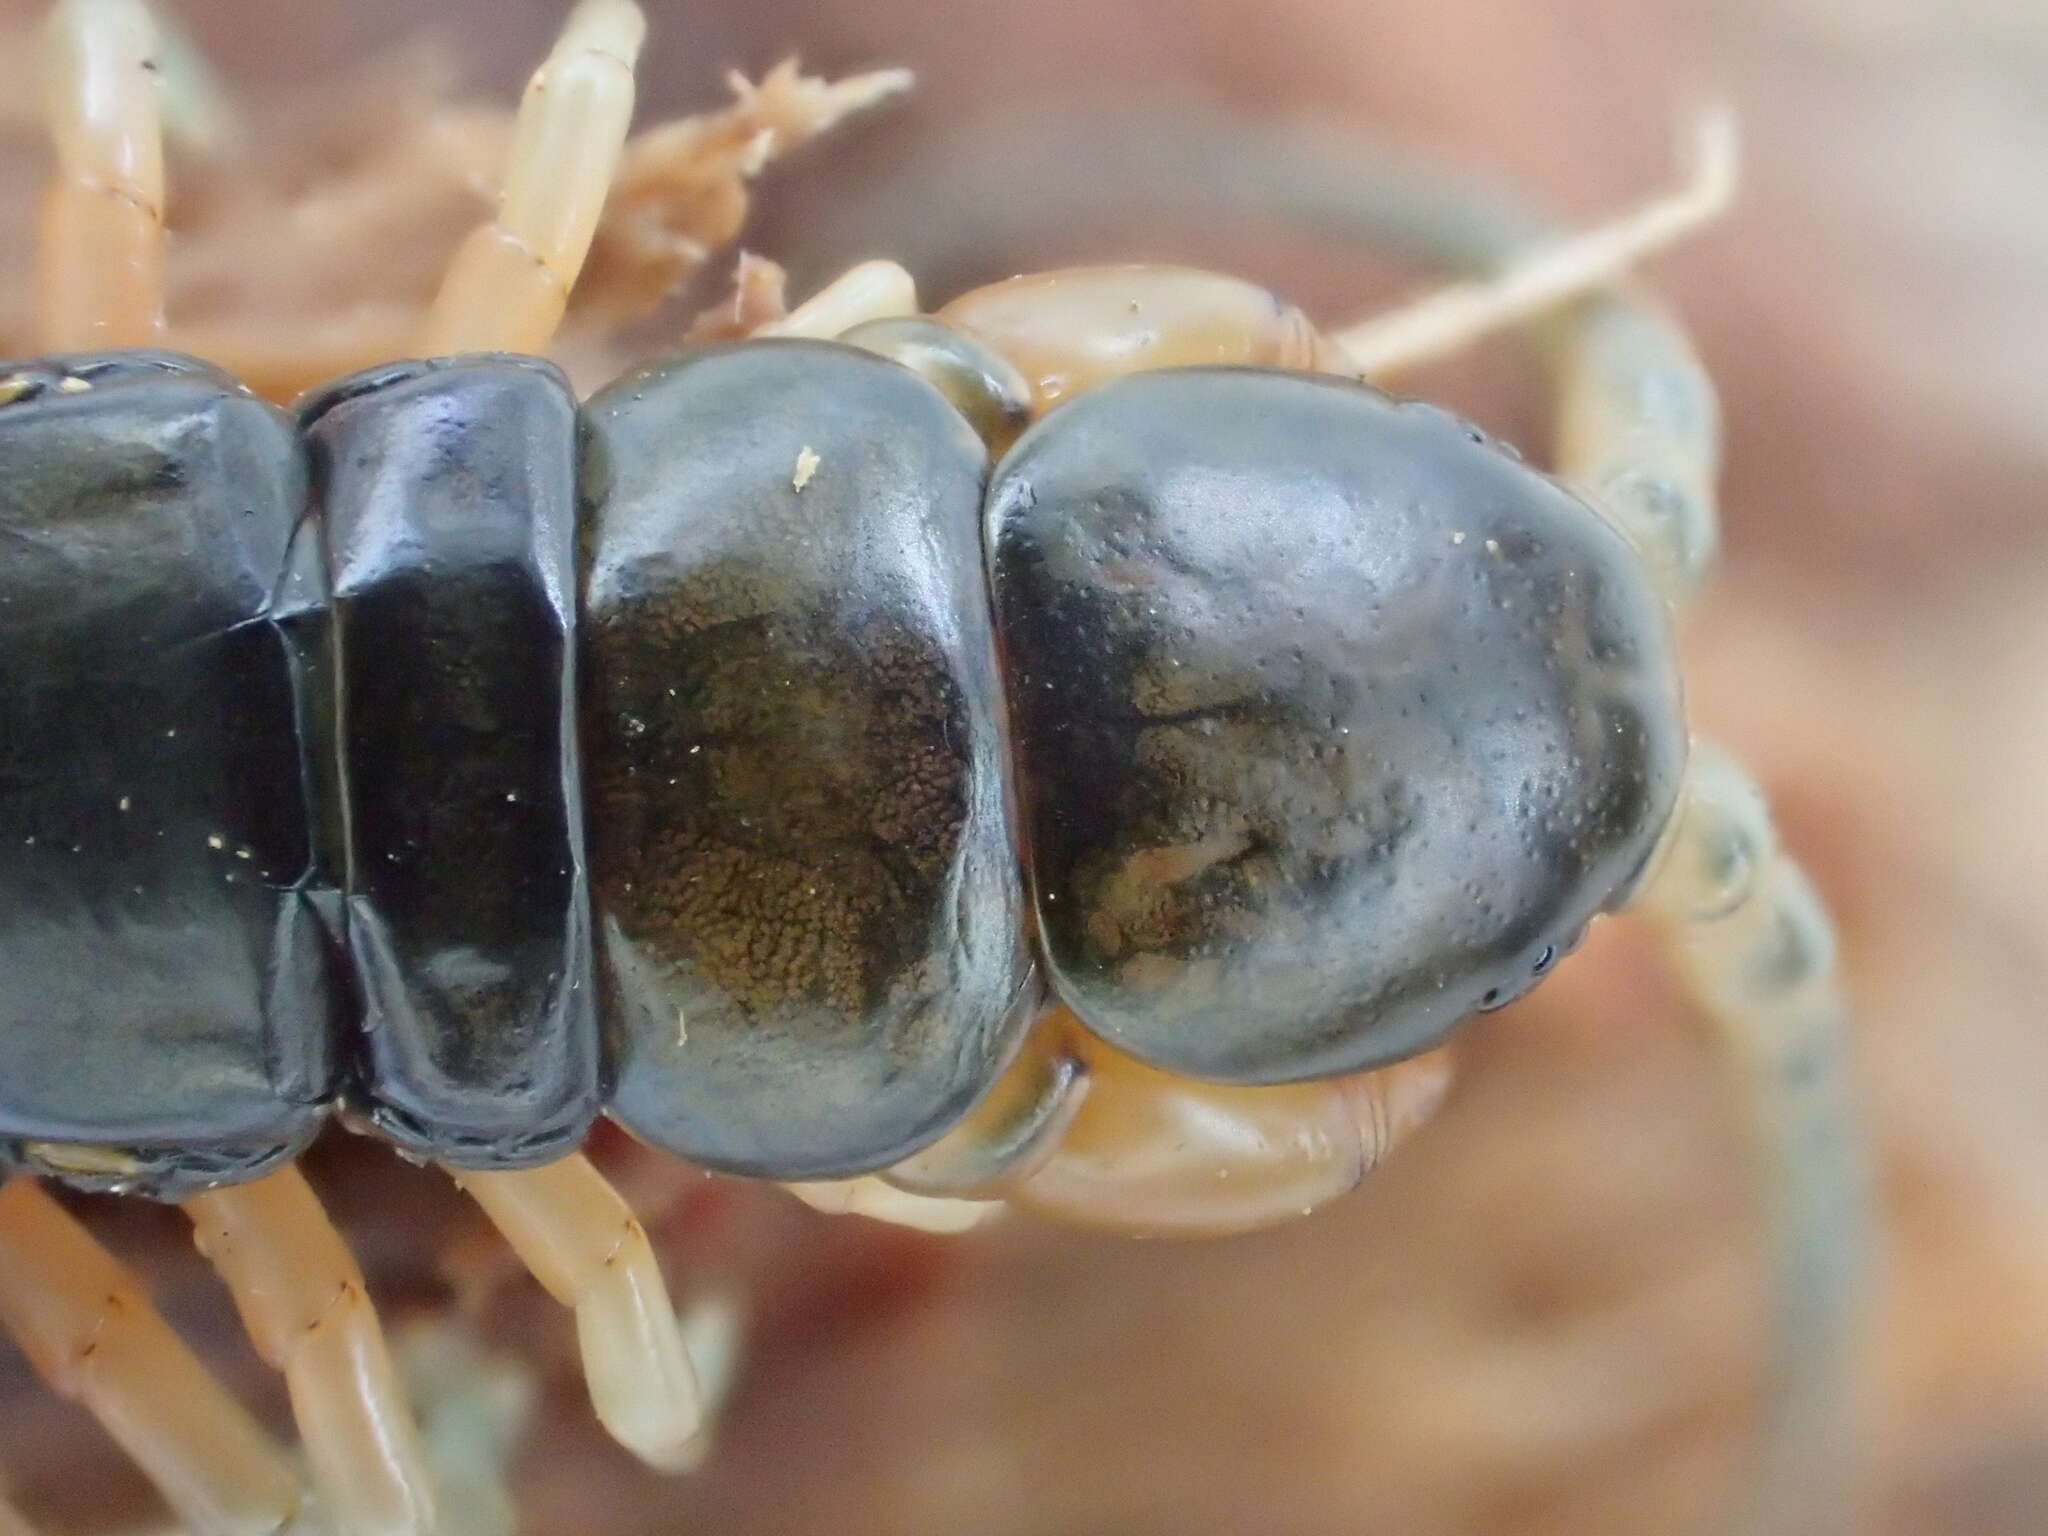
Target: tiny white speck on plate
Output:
[
  {"x": 215, "y": 841},
  {"x": 806, "y": 466}
]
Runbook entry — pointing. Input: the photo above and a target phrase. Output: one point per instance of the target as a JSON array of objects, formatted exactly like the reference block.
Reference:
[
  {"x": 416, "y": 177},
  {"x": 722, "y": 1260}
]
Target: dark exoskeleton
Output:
[{"x": 723, "y": 751}]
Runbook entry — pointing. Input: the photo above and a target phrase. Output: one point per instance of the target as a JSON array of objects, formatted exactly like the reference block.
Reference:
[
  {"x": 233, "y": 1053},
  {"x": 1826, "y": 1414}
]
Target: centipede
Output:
[{"x": 1085, "y": 748}]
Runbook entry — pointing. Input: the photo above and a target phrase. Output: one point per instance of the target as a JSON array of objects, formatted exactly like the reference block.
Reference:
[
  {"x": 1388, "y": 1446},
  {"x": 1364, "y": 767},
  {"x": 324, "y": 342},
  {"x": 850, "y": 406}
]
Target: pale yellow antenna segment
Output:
[
  {"x": 1756, "y": 954},
  {"x": 509, "y": 283},
  {"x": 1453, "y": 318},
  {"x": 87, "y": 1325},
  {"x": 308, "y": 1313},
  {"x": 100, "y": 267}
]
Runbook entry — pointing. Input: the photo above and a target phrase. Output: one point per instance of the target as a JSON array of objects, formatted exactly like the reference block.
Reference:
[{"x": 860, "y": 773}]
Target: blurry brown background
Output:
[{"x": 1542, "y": 1317}]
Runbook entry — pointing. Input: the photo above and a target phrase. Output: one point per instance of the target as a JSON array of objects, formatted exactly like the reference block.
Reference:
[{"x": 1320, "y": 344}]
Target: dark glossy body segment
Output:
[
  {"x": 165, "y": 987},
  {"x": 1336, "y": 722},
  {"x": 447, "y": 494},
  {"x": 809, "y": 920}
]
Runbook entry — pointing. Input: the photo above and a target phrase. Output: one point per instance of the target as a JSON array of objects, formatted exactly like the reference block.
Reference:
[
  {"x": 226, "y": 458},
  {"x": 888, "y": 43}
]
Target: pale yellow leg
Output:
[
  {"x": 1016, "y": 1126},
  {"x": 88, "y": 1327},
  {"x": 872, "y": 1198},
  {"x": 582, "y": 1242},
  {"x": 1151, "y": 1153},
  {"x": 1079, "y": 1131},
  {"x": 874, "y": 290},
  {"x": 1551, "y": 274},
  {"x": 509, "y": 283},
  {"x": 303, "y": 1301},
  {"x": 1755, "y": 951},
  {"x": 1073, "y": 330},
  {"x": 282, "y": 362},
  {"x": 100, "y": 278}
]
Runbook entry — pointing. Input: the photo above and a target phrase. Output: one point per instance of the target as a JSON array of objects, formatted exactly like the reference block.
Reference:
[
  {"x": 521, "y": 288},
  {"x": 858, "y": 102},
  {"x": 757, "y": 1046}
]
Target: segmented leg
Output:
[
  {"x": 582, "y": 1242},
  {"x": 303, "y": 1300},
  {"x": 1079, "y": 1131},
  {"x": 88, "y": 1327},
  {"x": 509, "y": 283},
  {"x": 1153, "y": 1153},
  {"x": 1754, "y": 948},
  {"x": 100, "y": 278},
  {"x": 1069, "y": 331},
  {"x": 874, "y": 290},
  {"x": 1639, "y": 433}
]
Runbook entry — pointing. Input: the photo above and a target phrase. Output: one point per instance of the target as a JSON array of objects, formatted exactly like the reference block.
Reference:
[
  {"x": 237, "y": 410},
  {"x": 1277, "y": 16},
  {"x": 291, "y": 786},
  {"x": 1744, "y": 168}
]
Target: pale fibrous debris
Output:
[
  {"x": 364, "y": 188},
  {"x": 758, "y": 297},
  {"x": 475, "y": 1408},
  {"x": 806, "y": 466},
  {"x": 681, "y": 191}
]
